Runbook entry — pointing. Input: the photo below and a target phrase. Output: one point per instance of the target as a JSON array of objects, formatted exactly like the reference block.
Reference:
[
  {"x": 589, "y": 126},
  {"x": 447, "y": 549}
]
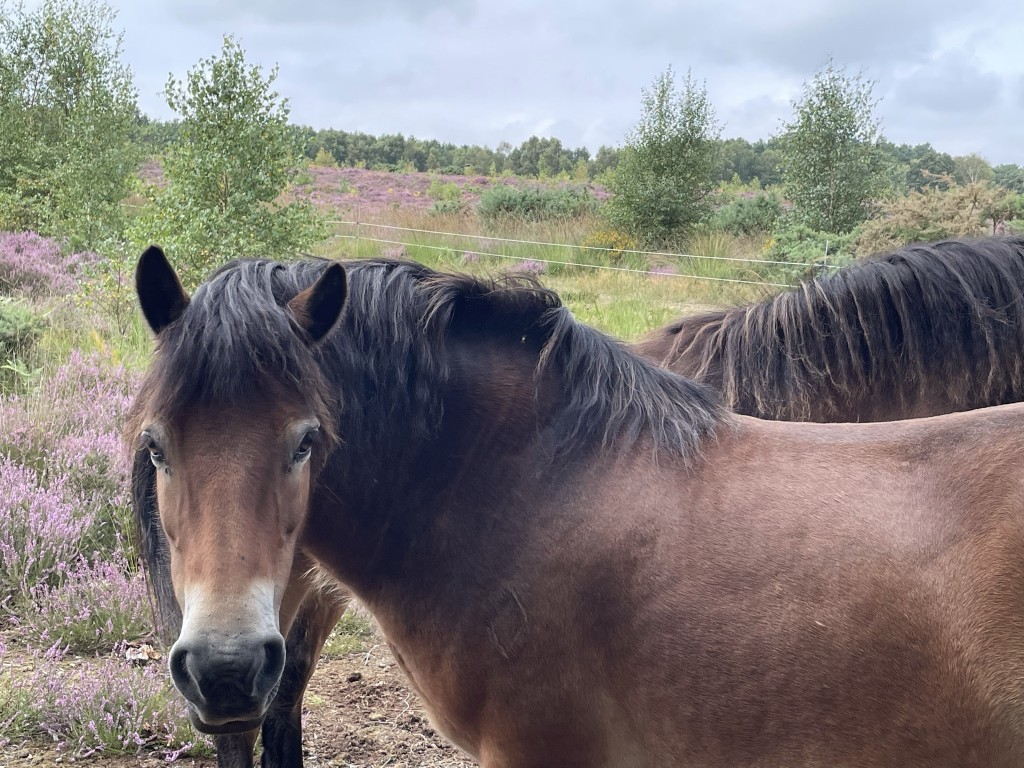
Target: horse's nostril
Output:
[
  {"x": 273, "y": 651},
  {"x": 180, "y": 674},
  {"x": 273, "y": 663}
]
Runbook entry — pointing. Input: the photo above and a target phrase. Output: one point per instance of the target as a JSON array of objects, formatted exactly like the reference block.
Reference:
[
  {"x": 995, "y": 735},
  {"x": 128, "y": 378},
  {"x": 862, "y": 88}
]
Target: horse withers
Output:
[{"x": 578, "y": 558}]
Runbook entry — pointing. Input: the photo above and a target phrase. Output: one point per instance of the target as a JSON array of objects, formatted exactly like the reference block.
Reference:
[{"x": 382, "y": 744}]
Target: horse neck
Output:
[{"x": 391, "y": 520}]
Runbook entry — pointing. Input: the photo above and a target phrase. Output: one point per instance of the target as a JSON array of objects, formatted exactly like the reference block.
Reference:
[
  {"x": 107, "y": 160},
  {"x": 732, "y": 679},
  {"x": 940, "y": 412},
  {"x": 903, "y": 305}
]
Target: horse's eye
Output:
[
  {"x": 156, "y": 454},
  {"x": 305, "y": 446}
]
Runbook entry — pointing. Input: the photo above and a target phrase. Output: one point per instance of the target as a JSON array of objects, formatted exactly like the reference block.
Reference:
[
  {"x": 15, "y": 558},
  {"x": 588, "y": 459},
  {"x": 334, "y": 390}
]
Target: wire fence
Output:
[{"x": 359, "y": 235}]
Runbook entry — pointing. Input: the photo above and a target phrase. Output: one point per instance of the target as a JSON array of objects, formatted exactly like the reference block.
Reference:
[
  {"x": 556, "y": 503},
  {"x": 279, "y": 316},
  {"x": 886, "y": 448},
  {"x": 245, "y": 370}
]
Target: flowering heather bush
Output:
[
  {"x": 40, "y": 531},
  {"x": 529, "y": 267},
  {"x": 152, "y": 172},
  {"x": 63, "y": 472},
  {"x": 98, "y": 607},
  {"x": 78, "y": 410},
  {"x": 66, "y": 577},
  {"x": 109, "y": 707},
  {"x": 33, "y": 264}
]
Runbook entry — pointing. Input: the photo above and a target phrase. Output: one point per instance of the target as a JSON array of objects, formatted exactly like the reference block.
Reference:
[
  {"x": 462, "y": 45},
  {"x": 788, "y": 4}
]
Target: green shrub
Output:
[
  {"x": 808, "y": 250},
  {"x": 756, "y": 215},
  {"x": 20, "y": 330},
  {"x": 447, "y": 197},
  {"x": 324, "y": 159},
  {"x": 535, "y": 203}
]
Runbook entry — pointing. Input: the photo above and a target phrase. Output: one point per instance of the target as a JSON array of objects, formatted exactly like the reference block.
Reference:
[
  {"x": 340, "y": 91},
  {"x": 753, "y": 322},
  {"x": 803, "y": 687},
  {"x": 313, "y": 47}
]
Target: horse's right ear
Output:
[
  {"x": 161, "y": 296},
  {"x": 318, "y": 307}
]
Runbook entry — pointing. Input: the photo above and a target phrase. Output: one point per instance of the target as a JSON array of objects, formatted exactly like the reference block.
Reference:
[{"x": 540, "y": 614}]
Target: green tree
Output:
[
  {"x": 225, "y": 174},
  {"x": 972, "y": 169},
  {"x": 67, "y": 112},
  {"x": 832, "y": 165},
  {"x": 1009, "y": 176},
  {"x": 659, "y": 191}
]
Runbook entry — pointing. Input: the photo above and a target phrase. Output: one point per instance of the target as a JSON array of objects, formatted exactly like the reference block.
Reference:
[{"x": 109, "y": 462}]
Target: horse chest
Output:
[{"x": 459, "y": 735}]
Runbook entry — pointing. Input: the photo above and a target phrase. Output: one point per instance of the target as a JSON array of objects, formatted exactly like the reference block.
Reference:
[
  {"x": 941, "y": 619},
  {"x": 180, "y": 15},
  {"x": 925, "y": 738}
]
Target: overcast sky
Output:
[{"x": 948, "y": 72}]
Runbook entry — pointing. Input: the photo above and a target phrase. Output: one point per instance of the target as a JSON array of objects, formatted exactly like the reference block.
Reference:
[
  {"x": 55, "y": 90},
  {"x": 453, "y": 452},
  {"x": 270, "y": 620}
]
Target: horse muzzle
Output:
[{"x": 228, "y": 680}]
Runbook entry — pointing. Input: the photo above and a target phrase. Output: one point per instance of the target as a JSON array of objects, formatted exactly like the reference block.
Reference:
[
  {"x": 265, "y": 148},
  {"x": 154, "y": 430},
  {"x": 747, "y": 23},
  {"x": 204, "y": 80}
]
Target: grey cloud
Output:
[
  {"x": 318, "y": 12},
  {"x": 950, "y": 84},
  {"x": 793, "y": 36},
  {"x": 485, "y": 72}
]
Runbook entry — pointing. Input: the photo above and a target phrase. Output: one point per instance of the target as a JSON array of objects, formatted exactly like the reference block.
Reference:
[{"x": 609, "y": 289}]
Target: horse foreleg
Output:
[
  {"x": 236, "y": 750},
  {"x": 282, "y": 730}
]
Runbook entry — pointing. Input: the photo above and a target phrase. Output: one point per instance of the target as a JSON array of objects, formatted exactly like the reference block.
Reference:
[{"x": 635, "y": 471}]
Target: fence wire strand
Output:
[
  {"x": 574, "y": 263},
  {"x": 568, "y": 245}
]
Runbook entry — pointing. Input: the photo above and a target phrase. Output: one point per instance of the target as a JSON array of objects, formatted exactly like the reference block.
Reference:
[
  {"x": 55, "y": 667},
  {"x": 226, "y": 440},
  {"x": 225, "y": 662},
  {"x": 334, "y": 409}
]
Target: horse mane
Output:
[
  {"x": 387, "y": 356},
  {"x": 393, "y": 339},
  {"x": 153, "y": 552},
  {"x": 948, "y": 315}
]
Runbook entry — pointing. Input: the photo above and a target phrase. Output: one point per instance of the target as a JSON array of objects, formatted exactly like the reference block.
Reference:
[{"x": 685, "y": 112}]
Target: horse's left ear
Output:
[
  {"x": 161, "y": 296},
  {"x": 318, "y": 307}
]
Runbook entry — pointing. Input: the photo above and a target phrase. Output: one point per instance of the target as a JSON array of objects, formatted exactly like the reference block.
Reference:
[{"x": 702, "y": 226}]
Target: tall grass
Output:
[{"x": 623, "y": 303}]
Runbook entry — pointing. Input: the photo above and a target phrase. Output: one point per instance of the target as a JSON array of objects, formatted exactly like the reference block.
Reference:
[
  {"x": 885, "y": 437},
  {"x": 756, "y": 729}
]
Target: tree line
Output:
[{"x": 908, "y": 167}]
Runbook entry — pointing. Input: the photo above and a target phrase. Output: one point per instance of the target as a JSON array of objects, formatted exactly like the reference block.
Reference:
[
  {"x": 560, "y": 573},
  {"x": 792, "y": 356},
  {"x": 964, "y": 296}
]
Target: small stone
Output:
[{"x": 376, "y": 716}]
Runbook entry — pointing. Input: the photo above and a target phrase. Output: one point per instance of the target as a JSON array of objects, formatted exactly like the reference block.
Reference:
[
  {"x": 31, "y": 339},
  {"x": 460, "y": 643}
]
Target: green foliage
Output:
[
  {"x": 800, "y": 245},
  {"x": 832, "y": 165},
  {"x": 395, "y": 152},
  {"x": 914, "y": 167},
  {"x": 971, "y": 169},
  {"x": 447, "y": 197},
  {"x": 1009, "y": 176},
  {"x": 661, "y": 185},
  {"x": 235, "y": 156},
  {"x": 109, "y": 287},
  {"x": 153, "y": 137},
  {"x": 505, "y": 201},
  {"x": 605, "y": 161},
  {"x": 67, "y": 109},
  {"x": 1006, "y": 207},
  {"x": 744, "y": 215},
  {"x": 353, "y": 634},
  {"x": 20, "y": 332},
  {"x": 748, "y": 161},
  {"x": 324, "y": 159}
]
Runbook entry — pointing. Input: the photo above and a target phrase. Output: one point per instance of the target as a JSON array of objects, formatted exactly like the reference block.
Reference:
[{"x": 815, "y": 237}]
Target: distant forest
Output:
[{"x": 910, "y": 167}]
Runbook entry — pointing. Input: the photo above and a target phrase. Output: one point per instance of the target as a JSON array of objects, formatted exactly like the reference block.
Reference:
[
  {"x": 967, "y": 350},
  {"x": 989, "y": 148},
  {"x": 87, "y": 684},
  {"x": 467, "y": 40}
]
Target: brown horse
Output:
[
  {"x": 803, "y": 355},
  {"x": 577, "y": 557},
  {"x": 925, "y": 330}
]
